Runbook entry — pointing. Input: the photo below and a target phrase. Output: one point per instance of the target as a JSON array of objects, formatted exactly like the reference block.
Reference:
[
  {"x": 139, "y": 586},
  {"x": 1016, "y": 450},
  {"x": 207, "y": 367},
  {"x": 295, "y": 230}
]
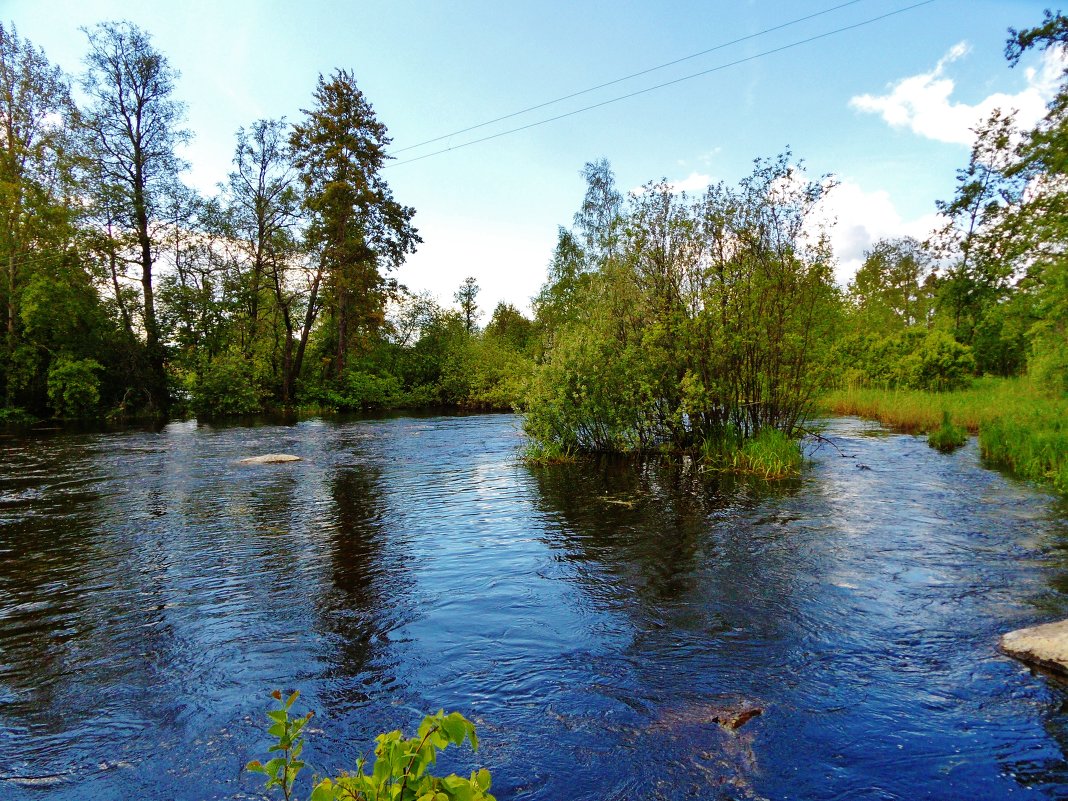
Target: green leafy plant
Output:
[
  {"x": 282, "y": 770},
  {"x": 400, "y": 771}
]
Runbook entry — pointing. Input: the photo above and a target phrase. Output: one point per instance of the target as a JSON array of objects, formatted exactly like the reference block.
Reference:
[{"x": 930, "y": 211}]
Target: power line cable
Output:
[
  {"x": 628, "y": 77},
  {"x": 665, "y": 84}
]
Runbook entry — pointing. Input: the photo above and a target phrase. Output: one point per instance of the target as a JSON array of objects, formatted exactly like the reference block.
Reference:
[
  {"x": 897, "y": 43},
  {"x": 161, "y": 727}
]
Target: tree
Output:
[
  {"x": 263, "y": 213},
  {"x": 980, "y": 264},
  {"x": 892, "y": 290},
  {"x": 133, "y": 126},
  {"x": 509, "y": 326},
  {"x": 36, "y": 177},
  {"x": 465, "y": 296},
  {"x": 1039, "y": 221},
  {"x": 357, "y": 231},
  {"x": 598, "y": 220}
]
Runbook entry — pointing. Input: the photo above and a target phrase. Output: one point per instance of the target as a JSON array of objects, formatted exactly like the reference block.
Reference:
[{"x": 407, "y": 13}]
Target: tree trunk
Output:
[{"x": 309, "y": 321}]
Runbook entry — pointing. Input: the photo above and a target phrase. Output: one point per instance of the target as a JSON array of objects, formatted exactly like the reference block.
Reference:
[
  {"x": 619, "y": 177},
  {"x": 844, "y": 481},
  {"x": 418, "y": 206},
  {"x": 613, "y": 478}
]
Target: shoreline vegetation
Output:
[
  {"x": 669, "y": 323},
  {"x": 1020, "y": 426}
]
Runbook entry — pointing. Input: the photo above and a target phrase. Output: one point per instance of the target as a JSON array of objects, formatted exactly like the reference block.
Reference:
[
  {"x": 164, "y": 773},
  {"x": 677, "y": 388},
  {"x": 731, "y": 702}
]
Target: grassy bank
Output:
[{"x": 1020, "y": 428}]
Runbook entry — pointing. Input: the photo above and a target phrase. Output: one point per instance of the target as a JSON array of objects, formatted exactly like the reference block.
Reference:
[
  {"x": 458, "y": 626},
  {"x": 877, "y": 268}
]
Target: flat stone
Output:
[
  {"x": 271, "y": 458},
  {"x": 1045, "y": 645}
]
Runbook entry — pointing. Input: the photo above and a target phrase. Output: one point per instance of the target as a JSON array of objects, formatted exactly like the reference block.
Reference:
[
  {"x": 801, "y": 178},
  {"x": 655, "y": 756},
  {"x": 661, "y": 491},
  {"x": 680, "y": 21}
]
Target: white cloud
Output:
[
  {"x": 923, "y": 103},
  {"x": 860, "y": 219},
  {"x": 694, "y": 182},
  {"x": 507, "y": 261}
]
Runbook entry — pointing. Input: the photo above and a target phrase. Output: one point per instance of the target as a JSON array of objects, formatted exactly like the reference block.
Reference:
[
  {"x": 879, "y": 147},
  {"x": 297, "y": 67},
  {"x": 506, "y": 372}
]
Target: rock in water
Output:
[
  {"x": 271, "y": 458},
  {"x": 1045, "y": 645}
]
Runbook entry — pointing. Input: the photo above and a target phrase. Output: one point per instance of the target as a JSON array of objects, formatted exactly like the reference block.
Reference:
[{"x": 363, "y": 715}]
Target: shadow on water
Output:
[{"x": 661, "y": 546}]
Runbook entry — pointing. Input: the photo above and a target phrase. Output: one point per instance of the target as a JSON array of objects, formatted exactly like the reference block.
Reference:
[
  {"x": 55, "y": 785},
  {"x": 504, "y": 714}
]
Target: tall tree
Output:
[
  {"x": 134, "y": 125},
  {"x": 36, "y": 115},
  {"x": 356, "y": 229},
  {"x": 467, "y": 297},
  {"x": 980, "y": 268},
  {"x": 263, "y": 211},
  {"x": 1039, "y": 222}
]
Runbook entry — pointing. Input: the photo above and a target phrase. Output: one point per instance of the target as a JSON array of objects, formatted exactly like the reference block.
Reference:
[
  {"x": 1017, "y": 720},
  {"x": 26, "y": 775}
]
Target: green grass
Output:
[
  {"x": 1021, "y": 428},
  {"x": 770, "y": 454},
  {"x": 541, "y": 454},
  {"x": 947, "y": 437}
]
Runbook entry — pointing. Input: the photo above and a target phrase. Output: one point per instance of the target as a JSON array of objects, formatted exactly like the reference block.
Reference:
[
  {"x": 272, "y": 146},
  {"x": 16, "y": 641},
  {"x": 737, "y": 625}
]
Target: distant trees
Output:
[
  {"x": 895, "y": 286},
  {"x": 230, "y": 291}
]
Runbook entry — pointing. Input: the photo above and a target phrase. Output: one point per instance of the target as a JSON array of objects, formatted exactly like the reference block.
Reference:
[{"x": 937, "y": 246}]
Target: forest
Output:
[{"x": 708, "y": 322}]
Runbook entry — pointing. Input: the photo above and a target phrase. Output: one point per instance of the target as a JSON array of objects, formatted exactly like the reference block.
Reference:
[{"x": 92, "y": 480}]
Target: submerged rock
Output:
[
  {"x": 1045, "y": 645},
  {"x": 270, "y": 458},
  {"x": 730, "y": 716}
]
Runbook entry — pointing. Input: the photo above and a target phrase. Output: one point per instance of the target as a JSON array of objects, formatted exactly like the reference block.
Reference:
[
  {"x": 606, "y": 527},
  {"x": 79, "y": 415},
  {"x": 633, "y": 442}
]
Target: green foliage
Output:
[
  {"x": 913, "y": 359},
  {"x": 939, "y": 363},
  {"x": 14, "y": 416},
  {"x": 683, "y": 318},
  {"x": 282, "y": 771},
  {"x": 1049, "y": 366},
  {"x": 400, "y": 771},
  {"x": 74, "y": 387},
  {"x": 894, "y": 289},
  {"x": 227, "y": 385},
  {"x": 366, "y": 390},
  {"x": 947, "y": 437}
]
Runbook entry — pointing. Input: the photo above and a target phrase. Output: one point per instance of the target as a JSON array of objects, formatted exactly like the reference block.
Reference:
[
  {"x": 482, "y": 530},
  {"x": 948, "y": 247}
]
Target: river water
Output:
[{"x": 593, "y": 620}]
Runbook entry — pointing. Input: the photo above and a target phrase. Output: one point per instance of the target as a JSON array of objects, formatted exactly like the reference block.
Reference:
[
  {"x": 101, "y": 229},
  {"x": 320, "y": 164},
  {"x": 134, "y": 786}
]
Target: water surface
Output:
[{"x": 592, "y": 619}]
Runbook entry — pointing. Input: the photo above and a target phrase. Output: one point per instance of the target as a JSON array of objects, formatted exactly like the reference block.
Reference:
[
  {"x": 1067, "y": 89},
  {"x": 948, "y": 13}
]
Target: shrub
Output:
[
  {"x": 361, "y": 389},
  {"x": 227, "y": 385},
  {"x": 73, "y": 386},
  {"x": 939, "y": 363}
]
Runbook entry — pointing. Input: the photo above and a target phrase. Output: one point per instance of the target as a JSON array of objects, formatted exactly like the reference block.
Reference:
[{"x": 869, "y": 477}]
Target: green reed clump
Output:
[
  {"x": 546, "y": 453},
  {"x": 400, "y": 771},
  {"x": 947, "y": 437},
  {"x": 771, "y": 454}
]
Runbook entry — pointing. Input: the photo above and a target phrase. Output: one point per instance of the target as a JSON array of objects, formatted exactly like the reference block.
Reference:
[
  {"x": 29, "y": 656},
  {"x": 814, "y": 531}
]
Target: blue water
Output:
[{"x": 593, "y": 620}]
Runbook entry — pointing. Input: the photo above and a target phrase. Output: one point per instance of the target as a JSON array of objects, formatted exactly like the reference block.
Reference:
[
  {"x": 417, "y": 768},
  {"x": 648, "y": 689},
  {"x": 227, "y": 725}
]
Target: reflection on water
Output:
[{"x": 596, "y": 620}]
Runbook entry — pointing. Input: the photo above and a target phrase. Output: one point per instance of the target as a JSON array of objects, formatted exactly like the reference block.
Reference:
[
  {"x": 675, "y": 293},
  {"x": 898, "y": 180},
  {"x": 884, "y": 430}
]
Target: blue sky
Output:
[{"x": 885, "y": 107}]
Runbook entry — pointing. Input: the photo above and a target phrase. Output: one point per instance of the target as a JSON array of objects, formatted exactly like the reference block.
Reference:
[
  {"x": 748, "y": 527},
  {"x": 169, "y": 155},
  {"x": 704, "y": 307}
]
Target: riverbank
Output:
[{"x": 1020, "y": 428}]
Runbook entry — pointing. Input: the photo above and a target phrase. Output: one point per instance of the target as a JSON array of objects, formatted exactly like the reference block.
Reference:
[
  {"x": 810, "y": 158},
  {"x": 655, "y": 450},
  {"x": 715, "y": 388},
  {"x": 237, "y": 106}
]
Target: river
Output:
[{"x": 592, "y": 619}]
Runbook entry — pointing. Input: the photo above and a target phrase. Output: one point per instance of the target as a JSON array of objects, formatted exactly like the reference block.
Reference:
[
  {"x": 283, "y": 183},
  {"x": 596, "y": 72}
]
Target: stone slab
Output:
[
  {"x": 1045, "y": 645},
  {"x": 271, "y": 458}
]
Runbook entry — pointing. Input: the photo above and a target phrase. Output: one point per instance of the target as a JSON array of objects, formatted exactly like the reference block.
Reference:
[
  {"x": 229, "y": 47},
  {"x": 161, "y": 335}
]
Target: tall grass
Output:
[
  {"x": 770, "y": 454},
  {"x": 1020, "y": 427},
  {"x": 1032, "y": 444}
]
